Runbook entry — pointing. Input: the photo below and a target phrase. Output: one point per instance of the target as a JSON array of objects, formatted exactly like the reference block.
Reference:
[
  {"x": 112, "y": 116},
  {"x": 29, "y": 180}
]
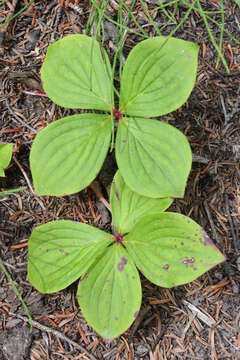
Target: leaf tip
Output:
[{"x": 206, "y": 239}]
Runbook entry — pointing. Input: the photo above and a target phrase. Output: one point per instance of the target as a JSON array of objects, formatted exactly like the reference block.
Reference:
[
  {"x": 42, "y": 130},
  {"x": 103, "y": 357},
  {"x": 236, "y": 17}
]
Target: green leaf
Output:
[
  {"x": 171, "y": 249},
  {"x": 153, "y": 157},
  {"x": 5, "y": 157},
  {"x": 129, "y": 207},
  {"x": 76, "y": 73},
  {"x": 158, "y": 76},
  {"x": 67, "y": 155},
  {"x": 110, "y": 294},
  {"x": 59, "y": 252}
]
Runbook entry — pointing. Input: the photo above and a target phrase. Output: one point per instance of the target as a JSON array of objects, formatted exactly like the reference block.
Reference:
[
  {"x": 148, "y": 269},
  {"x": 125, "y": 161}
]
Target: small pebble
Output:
[
  {"x": 218, "y": 275},
  {"x": 140, "y": 350},
  {"x": 238, "y": 263},
  {"x": 16, "y": 344},
  {"x": 12, "y": 323},
  {"x": 2, "y": 294}
]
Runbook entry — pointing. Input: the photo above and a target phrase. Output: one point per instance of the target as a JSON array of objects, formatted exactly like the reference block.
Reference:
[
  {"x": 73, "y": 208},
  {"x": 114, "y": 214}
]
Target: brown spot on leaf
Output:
[
  {"x": 206, "y": 239},
  {"x": 166, "y": 267},
  {"x": 116, "y": 318},
  {"x": 47, "y": 250},
  {"x": 107, "y": 281},
  {"x": 66, "y": 253},
  {"x": 120, "y": 266},
  {"x": 61, "y": 250},
  {"x": 122, "y": 263},
  {"x": 182, "y": 243},
  {"x": 124, "y": 260},
  {"x": 135, "y": 315},
  {"x": 188, "y": 261}
]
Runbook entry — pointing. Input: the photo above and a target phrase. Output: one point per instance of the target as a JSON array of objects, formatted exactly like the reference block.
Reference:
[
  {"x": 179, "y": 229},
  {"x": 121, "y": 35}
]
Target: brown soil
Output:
[{"x": 200, "y": 320}]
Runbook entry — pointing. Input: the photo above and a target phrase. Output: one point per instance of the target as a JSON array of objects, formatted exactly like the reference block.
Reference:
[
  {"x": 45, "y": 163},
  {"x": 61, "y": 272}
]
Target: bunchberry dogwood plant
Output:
[
  {"x": 154, "y": 158},
  {"x": 168, "y": 248}
]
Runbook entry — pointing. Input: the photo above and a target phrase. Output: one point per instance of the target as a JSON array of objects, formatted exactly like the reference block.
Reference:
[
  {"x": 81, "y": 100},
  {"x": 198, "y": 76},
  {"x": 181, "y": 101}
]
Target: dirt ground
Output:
[{"x": 200, "y": 320}]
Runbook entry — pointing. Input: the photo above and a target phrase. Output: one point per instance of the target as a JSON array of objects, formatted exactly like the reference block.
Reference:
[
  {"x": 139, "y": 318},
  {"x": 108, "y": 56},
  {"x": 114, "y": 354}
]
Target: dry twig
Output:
[{"x": 56, "y": 333}]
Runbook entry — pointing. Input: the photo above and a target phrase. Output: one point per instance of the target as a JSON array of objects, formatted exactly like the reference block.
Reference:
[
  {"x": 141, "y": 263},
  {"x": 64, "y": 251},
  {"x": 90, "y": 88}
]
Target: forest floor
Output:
[{"x": 200, "y": 320}]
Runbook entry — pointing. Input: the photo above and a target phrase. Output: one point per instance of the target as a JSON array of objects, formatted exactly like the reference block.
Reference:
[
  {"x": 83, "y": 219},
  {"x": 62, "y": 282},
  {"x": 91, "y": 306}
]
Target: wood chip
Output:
[{"x": 204, "y": 318}]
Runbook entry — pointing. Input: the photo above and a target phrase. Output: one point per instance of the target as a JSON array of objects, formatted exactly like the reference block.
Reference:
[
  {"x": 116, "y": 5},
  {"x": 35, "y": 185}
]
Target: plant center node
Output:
[
  {"x": 119, "y": 238},
  {"x": 117, "y": 114}
]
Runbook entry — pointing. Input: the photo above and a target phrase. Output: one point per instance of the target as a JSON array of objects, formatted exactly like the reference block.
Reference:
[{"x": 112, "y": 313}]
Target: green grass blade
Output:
[
  {"x": 123, "y": 27},
  {"x": 207, "y": 13},
  {"x": 119, "y": 39},
  {"x": 237, "y": 2},
  {"x": 210, "y": 19},
  {"x": 150, "y": 18},
  {"x": 130, "y": 11},
  {"x": 17, "y": 293},
  {"x": 201, "y": 11},
  {"x": 162, "y": 7},
  {"x": 171, "y": 17},
  {"x": 91, "y": 18},
  {"x": 224, "y": 30},
  {"x": 121, "y": 34},
  {"x": 221, "y": 31},
  {"x": 183, "y": 19},
  {"x": 3, "y": 2},
  {"x": 15, "y": 15}
]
